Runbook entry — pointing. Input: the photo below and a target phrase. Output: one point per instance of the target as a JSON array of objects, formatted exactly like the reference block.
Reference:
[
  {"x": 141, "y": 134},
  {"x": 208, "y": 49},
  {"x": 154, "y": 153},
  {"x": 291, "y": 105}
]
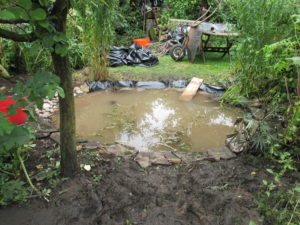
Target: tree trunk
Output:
[
  {"x": 69, "y": 164},
  {"x": 67, "y": 117}
]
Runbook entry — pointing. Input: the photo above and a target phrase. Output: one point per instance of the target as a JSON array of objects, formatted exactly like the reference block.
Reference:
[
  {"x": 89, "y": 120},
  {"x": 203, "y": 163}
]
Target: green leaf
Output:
[
  {"x": 26, "y": 4},
  {"x": 61, "y": 92},
  {"x": 44, "y": 2},
  {"x": 265, "y": 182},
  {"x": 61, "y": 49},
  {"x": 2, "y": 97},
  {"x": 48, "y": 41},
  {"x": 252, "y": 222},
  {"x": 60, "y": 37},
  {"x": 296, "y": 60},
  {"x": 5, "y": 14},
  {"x": 5, "y": 126},
  {"x": 19, "y": 13},
  {"x": 297, "y": 189},
  {"x": 12, "y": 110},
  {"x": 44, "y": 23},
  {"x": 38, "y": 14}
]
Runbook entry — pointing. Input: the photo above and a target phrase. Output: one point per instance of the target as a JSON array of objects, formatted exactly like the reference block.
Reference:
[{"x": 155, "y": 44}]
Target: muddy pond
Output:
[{"x": 153, "y": 120}]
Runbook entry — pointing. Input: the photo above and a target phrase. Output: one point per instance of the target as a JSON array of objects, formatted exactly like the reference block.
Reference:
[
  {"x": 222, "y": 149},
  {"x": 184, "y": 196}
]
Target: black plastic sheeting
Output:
[
  {"x": 178, "y": 33},
  {"x": 132, "y": 56},
  {"x": 106, "y": 85}
]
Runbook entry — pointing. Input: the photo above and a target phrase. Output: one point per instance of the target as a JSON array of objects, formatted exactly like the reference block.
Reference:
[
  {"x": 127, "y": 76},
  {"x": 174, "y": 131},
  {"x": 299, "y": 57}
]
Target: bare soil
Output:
[{"x": 202, "y": 193}]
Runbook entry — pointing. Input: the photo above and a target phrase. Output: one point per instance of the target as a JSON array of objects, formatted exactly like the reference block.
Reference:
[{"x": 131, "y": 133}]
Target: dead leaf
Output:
[{"x": 40, "y": 166}]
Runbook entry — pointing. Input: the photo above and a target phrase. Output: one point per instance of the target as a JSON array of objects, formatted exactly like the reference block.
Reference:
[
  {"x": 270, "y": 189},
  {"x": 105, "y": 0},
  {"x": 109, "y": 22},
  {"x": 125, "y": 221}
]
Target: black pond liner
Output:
[
  {"x": 132, "y": 56},
  {"x": 106, "y": 85}
]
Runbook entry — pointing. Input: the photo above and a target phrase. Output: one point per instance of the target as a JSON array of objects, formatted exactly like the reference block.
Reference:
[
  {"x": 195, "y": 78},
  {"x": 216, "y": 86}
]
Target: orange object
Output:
[
  {"x": 143, "y": 42},
  {"x": 19, "y": 118}
]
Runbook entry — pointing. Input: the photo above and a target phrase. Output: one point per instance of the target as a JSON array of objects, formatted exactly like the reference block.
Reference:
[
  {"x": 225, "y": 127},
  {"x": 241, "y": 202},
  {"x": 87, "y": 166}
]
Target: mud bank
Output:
[{"x": 202, "y": 193}]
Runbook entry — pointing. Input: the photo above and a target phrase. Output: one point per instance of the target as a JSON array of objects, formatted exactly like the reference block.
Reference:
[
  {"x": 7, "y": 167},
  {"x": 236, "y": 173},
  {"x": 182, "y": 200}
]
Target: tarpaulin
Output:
[{"x": 132, "y": 56}]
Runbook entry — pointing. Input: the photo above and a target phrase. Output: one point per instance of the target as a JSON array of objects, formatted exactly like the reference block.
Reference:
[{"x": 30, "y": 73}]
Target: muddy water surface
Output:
[{"x": 154, "y": 120}]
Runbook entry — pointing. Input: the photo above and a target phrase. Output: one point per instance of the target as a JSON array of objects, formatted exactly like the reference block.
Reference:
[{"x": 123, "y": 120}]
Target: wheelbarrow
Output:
[{"x": 199, "y": 37}]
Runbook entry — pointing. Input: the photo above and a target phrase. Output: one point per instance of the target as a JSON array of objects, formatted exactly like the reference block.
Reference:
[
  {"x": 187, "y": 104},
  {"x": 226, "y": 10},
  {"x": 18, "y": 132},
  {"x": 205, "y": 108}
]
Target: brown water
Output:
[{"x": 154, "y": 120}]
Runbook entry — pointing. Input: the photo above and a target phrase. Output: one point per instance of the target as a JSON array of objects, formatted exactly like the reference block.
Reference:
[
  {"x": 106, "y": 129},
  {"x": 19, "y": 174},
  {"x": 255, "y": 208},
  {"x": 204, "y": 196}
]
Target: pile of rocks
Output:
[{"x": 51, "y": 106}]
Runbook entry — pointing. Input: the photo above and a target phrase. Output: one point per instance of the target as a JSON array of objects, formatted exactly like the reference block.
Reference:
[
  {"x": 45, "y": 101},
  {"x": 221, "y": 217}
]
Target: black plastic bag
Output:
[{"x": 132, "y": 56}]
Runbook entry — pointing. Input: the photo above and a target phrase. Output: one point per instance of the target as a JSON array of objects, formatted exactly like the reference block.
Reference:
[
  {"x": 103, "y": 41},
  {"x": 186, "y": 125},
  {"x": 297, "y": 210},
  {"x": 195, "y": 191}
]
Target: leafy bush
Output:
[{"x": 14, "y": 138}]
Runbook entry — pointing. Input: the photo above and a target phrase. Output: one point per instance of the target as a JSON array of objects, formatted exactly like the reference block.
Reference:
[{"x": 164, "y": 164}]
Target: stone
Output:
[
  {"x": 120, "y": 150},
  {"x": 190, "y": 157},
  {"x": 257, "y": 112},
  {"x": 143, "y": 159},
  {"x": 85, "y": 88},
  {"x": 46, "y": 106},
  {"x": 220, "y": 153},
  {"x": 44, "y": 114},
  {"x": 158, "y": 158},
  {"x": 92, "y": 145},
  {"x": 233, "y": 145},
  {"x": 76, "y": 89},
  {"x": 87, "y": 167},
  {"x": 41, "y": 135},
  {"x": 55, "y": 137},
  {"x": 79, "y": 92},
  {"x": 172, "y": 158},
  {"x": 81, "y": 140}
]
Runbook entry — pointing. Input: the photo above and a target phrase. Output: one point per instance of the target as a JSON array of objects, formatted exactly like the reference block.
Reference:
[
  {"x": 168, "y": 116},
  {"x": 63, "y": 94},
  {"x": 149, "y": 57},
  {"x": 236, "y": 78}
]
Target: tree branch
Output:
[
  {"x": 17, "y": 37},
  {"x": 13, "y": 21}
]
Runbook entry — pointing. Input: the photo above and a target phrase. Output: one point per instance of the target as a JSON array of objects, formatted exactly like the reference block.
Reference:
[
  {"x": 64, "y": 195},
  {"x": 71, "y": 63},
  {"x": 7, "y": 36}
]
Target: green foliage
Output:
[
  {"x": 280, "y": 207},
  {"x": 264, "y": 38},
  {"x": 180, "y": 9},
  {"x": 266, "y": 55},
  {"x": 11, "y": 190},
  {"x": 14, "y": 138}
]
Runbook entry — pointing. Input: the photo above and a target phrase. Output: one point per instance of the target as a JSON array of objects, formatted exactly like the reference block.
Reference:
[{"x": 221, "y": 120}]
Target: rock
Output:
[
  {"x": 172, "y": 158},
  {"x": 41, "y": 135},
  {"x": 92, "y": 145},
  {"x": 190, "y": 157},
  {"x": 46, "y": 106},
  {"x": 255, "y": 103},
  {"x": 79, "y": 92},
  {"x": 44, "y": 114},
  {"x": 85, "y": 88},
  {"x": 120, "y": 150},
  {"x": 233, "y": 144},
  {"x": 143, "y": 159},
  {"x": 158, "y": 158},
  {"x": 55, "y": 137},
  {"x": 87, "y": 167},
  {"x": 257, "y": 112},
  {"x": 76, "y": 89},
  {"x": 220, "y": 153},
  {"x": 81, "y": 140}
]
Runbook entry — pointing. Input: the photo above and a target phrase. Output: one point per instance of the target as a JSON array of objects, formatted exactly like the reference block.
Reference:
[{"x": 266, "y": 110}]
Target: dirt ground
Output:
[{"x": 202, "y": 193}]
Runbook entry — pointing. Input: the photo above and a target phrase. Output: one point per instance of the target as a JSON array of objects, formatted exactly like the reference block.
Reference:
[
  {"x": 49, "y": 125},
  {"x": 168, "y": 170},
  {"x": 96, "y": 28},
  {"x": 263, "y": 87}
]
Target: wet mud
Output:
[{"x": 202, "y": 193}]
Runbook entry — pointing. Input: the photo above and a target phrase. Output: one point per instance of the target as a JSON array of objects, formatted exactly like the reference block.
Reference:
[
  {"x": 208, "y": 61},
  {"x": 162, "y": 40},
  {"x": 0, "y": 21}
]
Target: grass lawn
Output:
[{"x": 214, "y": 69}]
